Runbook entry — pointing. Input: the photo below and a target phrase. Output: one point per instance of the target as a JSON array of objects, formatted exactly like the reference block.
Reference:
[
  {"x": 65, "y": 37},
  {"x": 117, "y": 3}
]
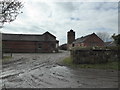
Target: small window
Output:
[
  {"x": 39, "y": 46},
  {"x": 73, "y": 45},
  {"x": 53, "y": 45}
]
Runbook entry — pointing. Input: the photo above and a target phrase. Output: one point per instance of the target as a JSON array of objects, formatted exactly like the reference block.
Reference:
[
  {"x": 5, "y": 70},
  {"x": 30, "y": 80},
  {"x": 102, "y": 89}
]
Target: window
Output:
[
  {"x": 53, "y": 45},
  {"x": 73, "y": 45},
  {"x": 39, "y": 46}
]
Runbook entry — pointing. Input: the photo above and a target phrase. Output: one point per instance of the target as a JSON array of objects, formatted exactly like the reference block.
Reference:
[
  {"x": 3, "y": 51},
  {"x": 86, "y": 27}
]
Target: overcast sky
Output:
[{"x": 59, "y": 17}]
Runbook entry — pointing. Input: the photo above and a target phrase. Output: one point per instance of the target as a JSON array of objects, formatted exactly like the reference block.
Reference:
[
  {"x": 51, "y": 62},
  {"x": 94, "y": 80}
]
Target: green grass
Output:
[
  {"x": 68, "y": 61},
  {"x": 110, "y": 65},
  {"x": 6, "y": 59}
]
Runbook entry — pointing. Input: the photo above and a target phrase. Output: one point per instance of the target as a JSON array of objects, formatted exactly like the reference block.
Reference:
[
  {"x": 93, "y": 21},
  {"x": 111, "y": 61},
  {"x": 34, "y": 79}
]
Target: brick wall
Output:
[
  {"x": 18, "y": 46},
  {"x": 70, "y": 36},
  {"x": 28, "y": 46},
  {"x": 94, "y": 41}
]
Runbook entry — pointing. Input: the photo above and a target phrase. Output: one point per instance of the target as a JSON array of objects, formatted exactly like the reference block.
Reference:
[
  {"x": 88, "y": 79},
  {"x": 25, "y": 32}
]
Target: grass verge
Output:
[
  {"x": 6, "y": 59},
  {"x": 110, "y": 65}
]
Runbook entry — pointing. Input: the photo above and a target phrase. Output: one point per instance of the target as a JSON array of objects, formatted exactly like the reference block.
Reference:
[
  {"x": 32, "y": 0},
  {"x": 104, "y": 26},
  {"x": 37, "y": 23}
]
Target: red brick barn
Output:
[
  {"x": 29, "y": 43},
  {"x": 90, "y": 40}
]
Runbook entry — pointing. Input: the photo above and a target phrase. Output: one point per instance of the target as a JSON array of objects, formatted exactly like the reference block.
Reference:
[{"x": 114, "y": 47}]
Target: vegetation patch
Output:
[
  {"x": 68, "y": 61},
  {"x": 109, "y": 65},
  {"x": 6, "y": 59},
  {"x": 95, "y": 48}
]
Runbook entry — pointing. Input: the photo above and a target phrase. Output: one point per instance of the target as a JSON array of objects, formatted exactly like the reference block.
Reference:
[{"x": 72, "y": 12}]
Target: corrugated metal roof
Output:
[
  {"x": 28, "y": 37},
  {"x": 82, "y": 39},
  {"x": 111, "y": 43}
]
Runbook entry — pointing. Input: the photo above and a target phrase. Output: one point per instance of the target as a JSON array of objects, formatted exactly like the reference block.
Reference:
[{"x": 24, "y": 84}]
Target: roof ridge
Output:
[
  {"x": 20, "y": 34},
  {"x": 27, "y": 37}
]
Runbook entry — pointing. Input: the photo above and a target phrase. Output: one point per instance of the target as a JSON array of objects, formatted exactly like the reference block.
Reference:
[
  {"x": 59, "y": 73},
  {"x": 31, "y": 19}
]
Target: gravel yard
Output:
[{"x": 37, "y": 70}]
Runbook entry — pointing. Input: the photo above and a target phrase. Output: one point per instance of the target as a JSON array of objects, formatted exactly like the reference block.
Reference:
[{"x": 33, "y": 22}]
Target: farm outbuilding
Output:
[
  {"x": 29, "y": 43},
  {"x": 91, "y": 40}
]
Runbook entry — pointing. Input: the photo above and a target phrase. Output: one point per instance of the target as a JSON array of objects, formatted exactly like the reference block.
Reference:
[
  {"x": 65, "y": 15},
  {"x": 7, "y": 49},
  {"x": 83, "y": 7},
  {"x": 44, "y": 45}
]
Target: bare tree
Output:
[
  {"x": 9, "y": 10},
  {"x": 104, "y": 36}
]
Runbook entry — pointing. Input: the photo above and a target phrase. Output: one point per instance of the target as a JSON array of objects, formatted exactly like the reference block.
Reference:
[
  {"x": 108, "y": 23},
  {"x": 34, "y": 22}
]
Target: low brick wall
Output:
[{"x": 93, "y": 56}]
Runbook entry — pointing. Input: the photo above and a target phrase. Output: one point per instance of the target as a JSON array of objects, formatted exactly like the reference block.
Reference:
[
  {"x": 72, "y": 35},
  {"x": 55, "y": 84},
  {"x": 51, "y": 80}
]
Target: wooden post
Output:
[
  {"x": 11, "y": 52},
  {"x": 2, "y": 55}
]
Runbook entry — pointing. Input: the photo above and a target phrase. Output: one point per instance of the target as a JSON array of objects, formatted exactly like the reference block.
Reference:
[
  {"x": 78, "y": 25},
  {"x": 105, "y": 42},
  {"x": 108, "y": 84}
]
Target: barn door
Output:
[{"x": 39, "y": 47}]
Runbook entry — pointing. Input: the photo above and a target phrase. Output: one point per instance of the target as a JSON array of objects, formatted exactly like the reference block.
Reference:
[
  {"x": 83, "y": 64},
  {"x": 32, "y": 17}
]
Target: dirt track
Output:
[{"x": 43, "y": 71}]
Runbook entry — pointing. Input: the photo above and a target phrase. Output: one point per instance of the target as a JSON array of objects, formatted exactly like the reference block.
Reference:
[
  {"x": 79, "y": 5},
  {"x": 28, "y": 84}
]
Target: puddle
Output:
[{"x": 59, "y": 68}]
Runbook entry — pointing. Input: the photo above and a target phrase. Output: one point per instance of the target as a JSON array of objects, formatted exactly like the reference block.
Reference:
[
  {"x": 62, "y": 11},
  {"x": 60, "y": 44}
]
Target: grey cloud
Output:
[
  {"x": 35, "y": 27},
  {"x": 75, "y": 18},
  {"x": 66, "y": 6},
  {"x": 60, "y": 17}
]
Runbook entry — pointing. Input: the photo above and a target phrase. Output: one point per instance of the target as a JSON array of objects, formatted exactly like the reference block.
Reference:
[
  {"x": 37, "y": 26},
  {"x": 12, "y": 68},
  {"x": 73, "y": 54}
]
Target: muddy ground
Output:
[{"x": 43, "y": 71}]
